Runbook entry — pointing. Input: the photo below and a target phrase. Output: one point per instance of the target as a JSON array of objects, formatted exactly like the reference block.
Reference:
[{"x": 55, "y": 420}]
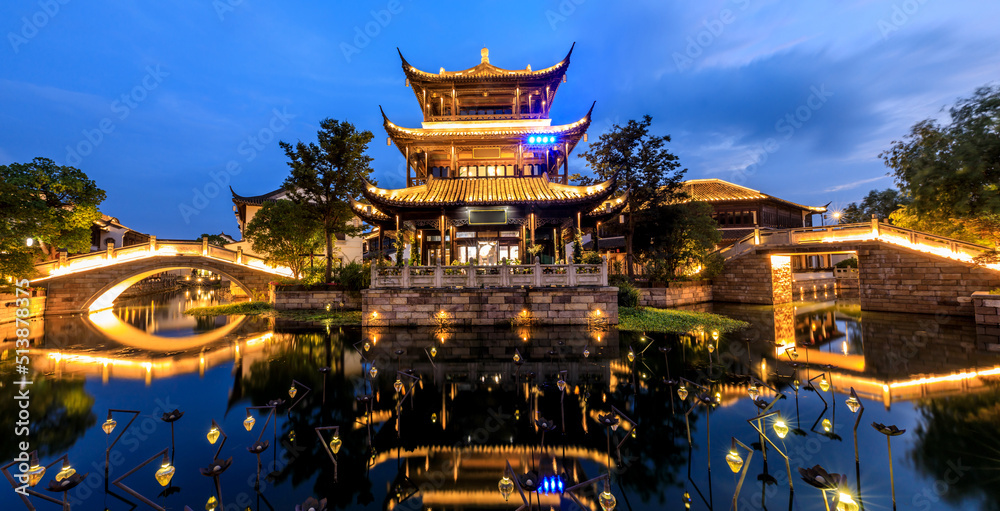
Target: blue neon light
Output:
[
  {"x": 548, "y": 139},
  {"x": 551, "y": 484}
]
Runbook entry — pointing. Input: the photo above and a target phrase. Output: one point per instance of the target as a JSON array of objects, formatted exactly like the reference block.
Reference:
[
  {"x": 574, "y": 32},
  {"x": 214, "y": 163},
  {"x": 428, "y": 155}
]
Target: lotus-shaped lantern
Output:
[
  {"x": 66, "y": 483},
  {"x": 545, "y": 424},
  {"x": 609, "y": 419},
  {"x": 217, "y": 467},
  {"x": 888, "y": 430},
  {"x": 259, "y": 447},
  {"x": 172, "y": 416},
  {"x": 312, "y": 504},
  {"x": 818, "y": 477}
]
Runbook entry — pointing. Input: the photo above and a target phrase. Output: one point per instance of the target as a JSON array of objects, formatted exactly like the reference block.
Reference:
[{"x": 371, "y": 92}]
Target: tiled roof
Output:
[
  {"x": 469, "y": 129},
  {"x": 485, "y": 70},
  {"x": 488, "y": 191},
  {"x": 717, "y": 190},
  {"x": 369, "y": 213},
  {"x": 257, "y": 199}
]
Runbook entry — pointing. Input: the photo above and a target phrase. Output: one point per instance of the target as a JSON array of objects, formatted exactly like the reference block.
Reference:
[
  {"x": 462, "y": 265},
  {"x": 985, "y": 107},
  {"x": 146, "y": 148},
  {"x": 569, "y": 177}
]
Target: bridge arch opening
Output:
[{"x": 105, "y": 298}]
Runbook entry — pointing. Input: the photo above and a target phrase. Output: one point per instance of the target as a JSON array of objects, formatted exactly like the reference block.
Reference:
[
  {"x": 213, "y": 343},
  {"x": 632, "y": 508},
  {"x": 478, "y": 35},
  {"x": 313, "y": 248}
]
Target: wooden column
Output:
[
  {"x": 452, "y": 245},
  {"x": 442, "y": 231},
  {"x": 565, "y": 180},
  {"x": 454, "y": 162},
  {"x": 409, "y": 181},
  {"x": 520, "y": 163},
  {"x": 531, "y": 225},
  {"x": 555, "y": 244}
]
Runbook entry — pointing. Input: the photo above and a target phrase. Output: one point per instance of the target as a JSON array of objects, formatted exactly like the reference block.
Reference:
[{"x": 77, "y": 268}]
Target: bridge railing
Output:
[
  {"x": 536, "y": 275},
  {"x": 81, "y": 262},
  {"x": 864, "y": 231}
]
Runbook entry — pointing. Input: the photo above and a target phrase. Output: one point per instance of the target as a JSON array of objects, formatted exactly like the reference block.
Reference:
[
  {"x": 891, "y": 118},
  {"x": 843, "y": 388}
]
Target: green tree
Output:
[
  {"x": 882, "y": 204},
  {"x": 53, "y": 205},
  {"x": 952, "y": 171},
  {"x": 643, "y": 166},
  {"x": 678, "y": 237},
  {"x": 327, "y": 175},
  {"x": 285, "y": 232},
  {"x": 215, "y": 239}
]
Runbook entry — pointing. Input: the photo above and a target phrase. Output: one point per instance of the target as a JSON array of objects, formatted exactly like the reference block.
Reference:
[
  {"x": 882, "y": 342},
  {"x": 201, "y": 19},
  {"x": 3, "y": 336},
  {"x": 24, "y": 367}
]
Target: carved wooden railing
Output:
[{"x": 503, "y": 275}]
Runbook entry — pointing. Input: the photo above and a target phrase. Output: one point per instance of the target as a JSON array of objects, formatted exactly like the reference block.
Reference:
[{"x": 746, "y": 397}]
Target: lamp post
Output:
[
  {"x": 736, "y": 463},
  {"x": 781, "y": 429},
  {"x": 889, "y": 432},
  {"x": 856, "y": 406}
]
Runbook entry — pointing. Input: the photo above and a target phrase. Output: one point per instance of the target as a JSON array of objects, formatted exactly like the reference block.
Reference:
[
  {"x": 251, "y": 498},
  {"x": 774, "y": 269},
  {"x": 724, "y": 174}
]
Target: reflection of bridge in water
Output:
[{"x": 886, "y": 357}]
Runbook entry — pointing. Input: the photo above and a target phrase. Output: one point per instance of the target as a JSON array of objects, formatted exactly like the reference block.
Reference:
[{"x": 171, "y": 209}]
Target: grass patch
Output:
[
  {"x": 242, "y": 308},
  {"x": 264, "y": 309},
  {"x": 649, "y": 319}
]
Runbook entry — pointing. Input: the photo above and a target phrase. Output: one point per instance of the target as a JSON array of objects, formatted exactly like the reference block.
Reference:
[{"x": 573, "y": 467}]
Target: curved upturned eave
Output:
[
  {"x": 618, "y": 205},
  {"x": 574, "y": 129},
  {"x": 375, "y": 217},
  {"x": 254, "y": 199},
  {"x": 556, "y": 70}
]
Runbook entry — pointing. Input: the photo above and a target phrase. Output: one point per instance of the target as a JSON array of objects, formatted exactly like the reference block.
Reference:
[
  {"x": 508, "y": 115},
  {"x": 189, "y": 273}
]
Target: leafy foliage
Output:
[
  {"x": 848, "y": 263},
  {"x": 650, "y": 319},
  {"x": 643, "y": 166},
  {"x": 54, "y": 205},
  {"x": 628, "y": 294},
  {"x": 215, "y": 239},
  {"x": 676, "y": 237},
  {"x": 952, "y": 171},
  {"x": 326, "y": 176},
  {"x": 879, "y": 203},
  {"x": 286, "y": 233}
]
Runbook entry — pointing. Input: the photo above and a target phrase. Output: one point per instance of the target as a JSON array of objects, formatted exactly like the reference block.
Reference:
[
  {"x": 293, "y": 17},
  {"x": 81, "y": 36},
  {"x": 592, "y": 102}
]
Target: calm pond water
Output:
[{"x": 467, "y": 409}]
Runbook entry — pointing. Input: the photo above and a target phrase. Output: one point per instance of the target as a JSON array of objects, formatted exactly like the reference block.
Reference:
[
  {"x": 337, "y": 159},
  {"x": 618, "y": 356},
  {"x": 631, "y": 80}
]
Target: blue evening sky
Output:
[{"x": 153, "y": 99}]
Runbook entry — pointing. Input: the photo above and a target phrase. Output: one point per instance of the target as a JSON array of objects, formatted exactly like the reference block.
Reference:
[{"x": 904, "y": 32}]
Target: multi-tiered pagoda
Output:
[{"x": 487, "y": 172}]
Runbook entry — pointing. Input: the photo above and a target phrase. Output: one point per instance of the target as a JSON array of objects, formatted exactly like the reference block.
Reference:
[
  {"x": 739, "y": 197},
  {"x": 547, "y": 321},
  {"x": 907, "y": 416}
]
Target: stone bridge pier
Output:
[
  {"x": 96, "y": 288},
  {"x": 891, "y": 278}
]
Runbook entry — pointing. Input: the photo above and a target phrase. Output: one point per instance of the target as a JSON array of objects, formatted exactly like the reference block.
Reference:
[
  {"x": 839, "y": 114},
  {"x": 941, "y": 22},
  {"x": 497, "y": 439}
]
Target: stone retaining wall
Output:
[
  {"x": 542, "y": 306},
  {"x": 987, "y": 308},
  {"x": 899, "y": 279},
  {"x": 297, "y": 299},
  {"x": 8, "y": 305},
  {"x": 677, "y": 294}
]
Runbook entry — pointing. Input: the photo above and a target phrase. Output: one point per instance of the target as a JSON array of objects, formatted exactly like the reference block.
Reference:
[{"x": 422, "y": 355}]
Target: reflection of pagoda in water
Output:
[{"x": 476, "y": 408}]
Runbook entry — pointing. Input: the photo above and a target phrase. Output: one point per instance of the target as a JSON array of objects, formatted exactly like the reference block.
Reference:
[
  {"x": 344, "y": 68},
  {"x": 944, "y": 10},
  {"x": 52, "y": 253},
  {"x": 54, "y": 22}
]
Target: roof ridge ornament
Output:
[{"x": 485, "y": 54}]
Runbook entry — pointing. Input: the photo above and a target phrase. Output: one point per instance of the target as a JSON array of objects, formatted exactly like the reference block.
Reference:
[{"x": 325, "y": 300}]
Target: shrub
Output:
[
  {"x": 848, "y": 263},
  {"x": 355, "y": 276},
  {"x": 592, "y": 257},
  {"x": 628, "y": 295},
  {"x": 713, "y": 265}
]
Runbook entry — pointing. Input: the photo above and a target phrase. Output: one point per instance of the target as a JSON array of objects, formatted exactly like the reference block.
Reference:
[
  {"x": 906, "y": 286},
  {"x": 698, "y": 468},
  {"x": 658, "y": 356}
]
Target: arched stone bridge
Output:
[
  {"x": 91, "y": 282},
  {"x": 899, "y": 270}
]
